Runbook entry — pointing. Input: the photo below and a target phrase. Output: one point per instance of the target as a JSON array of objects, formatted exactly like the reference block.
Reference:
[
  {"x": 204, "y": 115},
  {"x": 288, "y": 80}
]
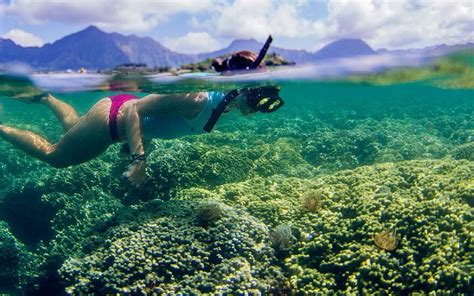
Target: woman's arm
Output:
[
  {"x": 187, "y": 105},
  {"x": 133, "y": 130},
  {"x": 136, "y": 171}
]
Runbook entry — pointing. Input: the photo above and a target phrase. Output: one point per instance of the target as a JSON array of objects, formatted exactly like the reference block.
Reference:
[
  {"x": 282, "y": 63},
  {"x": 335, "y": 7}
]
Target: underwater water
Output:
[{"x": 350, "y": 187}]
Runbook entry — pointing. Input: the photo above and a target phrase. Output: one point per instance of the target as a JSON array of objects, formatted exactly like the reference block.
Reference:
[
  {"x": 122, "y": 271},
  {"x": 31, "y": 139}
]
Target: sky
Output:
[{"x": 193, "y": 26}]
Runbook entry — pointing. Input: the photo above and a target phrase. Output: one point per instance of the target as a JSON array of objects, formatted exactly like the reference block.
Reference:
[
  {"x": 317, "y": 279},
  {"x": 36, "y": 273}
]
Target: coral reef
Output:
[
  {"x": 168, "y": 253},
  {"x": 10, "y": 259},
  {"x": 369, "y": 142},
  {"x": 333, "y": 250},
  {"x": 16, "y": 262},
  {"x": 80, "y": 220},
  {"x": 465, "y": 151},
  {"x": 425, "y": 204}
]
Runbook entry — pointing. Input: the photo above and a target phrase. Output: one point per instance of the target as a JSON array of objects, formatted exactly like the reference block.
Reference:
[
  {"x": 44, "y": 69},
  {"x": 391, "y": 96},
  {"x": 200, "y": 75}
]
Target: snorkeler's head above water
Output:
[{"x": 243, "y": 60}]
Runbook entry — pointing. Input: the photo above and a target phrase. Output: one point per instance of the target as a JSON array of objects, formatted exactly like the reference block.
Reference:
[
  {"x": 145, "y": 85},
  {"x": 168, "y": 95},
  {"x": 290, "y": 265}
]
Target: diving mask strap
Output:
[{"x": 217, "y": 112}]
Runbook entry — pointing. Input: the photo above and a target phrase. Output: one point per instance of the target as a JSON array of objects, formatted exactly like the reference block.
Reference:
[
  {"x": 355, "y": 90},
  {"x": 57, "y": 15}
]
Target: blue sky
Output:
[{"x": 203, "y": 25}]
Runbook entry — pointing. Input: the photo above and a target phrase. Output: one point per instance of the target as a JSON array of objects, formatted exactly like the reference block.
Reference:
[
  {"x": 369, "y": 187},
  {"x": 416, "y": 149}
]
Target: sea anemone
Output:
[
  {"x": 282, "y": 237},
  {"x": 312, "y": 200},
  {"x": 386, "y": 240}
]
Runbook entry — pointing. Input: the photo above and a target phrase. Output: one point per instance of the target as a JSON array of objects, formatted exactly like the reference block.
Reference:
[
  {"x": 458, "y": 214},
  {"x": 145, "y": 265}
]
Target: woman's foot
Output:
[{"x": 28, "y": 98}]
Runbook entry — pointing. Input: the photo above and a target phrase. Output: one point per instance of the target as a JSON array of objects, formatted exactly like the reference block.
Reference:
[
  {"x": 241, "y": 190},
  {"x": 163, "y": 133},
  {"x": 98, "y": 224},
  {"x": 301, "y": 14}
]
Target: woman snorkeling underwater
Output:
[{"x": 126, "y": 118}]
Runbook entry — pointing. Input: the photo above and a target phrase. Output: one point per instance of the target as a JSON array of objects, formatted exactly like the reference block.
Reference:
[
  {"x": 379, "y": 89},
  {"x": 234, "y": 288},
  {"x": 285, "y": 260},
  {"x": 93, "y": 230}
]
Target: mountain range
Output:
[{"x": 92, "y": 48}]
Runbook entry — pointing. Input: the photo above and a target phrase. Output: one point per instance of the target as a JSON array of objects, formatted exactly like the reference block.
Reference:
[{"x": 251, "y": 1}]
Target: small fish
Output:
[{"x": 310, "y": 236}]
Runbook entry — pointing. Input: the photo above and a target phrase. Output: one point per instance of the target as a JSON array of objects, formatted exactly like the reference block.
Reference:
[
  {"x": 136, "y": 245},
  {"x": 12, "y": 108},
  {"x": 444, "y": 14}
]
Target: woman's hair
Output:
[{"x": 241, "y": 60}]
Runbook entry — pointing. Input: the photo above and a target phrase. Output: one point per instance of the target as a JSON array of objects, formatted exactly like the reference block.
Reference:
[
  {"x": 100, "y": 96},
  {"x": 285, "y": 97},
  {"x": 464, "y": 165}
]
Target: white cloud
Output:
[
  {"x": 258, "y": 18},
  {"x": 193, "y": 42},
  {"x": 398, "y": 24},
  {"x": 23, "y": 38},
  {"x": 382, "y": 23},
  {"x": 123, "y": 15}
]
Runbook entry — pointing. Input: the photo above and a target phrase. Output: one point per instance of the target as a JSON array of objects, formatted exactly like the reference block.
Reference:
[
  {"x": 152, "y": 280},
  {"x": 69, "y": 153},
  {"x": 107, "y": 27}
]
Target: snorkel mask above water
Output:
[{"x": 265, "y": 99}]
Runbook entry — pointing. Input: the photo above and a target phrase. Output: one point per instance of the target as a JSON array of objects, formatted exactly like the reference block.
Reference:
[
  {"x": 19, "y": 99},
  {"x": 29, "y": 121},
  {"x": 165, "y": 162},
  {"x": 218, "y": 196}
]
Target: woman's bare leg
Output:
[
  {"x": 27, "y": 141},
  {"x": 34, "y": 144},
  {"x": 85, "y": 140},
  {"x": 63, "y": 111}
]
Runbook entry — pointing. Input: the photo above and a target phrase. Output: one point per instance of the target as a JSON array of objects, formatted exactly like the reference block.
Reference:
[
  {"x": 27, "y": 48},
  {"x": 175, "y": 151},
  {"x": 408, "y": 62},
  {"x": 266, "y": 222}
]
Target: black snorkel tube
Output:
[
  {"x": 217, "y": 112},
  {"x": 262, "y": 53},
  {"x": 265, "y": 99}
]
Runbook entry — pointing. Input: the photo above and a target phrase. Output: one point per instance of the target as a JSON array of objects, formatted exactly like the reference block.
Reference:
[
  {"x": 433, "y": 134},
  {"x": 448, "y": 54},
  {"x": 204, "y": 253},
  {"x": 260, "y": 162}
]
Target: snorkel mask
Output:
[{"x": 265, "y": 99}]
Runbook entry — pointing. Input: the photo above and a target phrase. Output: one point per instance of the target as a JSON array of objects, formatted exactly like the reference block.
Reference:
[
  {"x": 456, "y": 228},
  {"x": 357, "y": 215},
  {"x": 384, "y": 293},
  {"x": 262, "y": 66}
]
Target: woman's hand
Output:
[{"x": 136, "y": 173}]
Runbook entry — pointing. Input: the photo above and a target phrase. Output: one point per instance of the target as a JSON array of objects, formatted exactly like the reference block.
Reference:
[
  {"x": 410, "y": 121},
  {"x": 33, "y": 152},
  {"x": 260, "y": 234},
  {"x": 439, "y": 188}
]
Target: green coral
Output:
[
  {"x": 166, "y": 251},
  {"x": 426, "y": 202},
  {"x": 273, "y": 200},
  {"x": 18, "y": 265},
  {"x": 208, "y": 212},
  {"x": 224, "y": 164},
  {"x": 426, "y": 208},
  {"x": 79, "y": 220},
  {"x": 10, "y": 258},
  {"x": 179, "y": 164},
  {"x": 283, "y": 156},
  {"x": 371, "y": 141},
  {"x": 465, "y": 151}
]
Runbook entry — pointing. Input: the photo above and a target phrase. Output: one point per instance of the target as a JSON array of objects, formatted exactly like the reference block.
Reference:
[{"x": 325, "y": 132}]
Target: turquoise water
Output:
[{"x": 348, "y": 188}]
